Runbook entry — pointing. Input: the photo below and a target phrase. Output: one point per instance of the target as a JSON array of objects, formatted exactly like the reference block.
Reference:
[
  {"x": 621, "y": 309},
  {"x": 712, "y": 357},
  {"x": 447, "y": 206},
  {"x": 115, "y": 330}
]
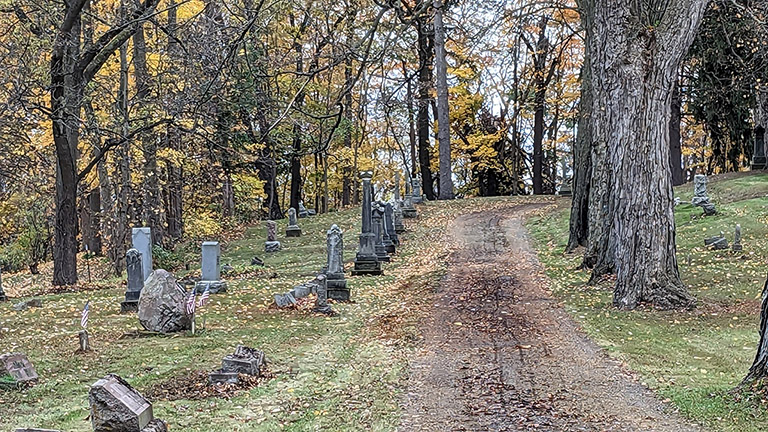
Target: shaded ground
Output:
[{"x": 500, "y": 354}]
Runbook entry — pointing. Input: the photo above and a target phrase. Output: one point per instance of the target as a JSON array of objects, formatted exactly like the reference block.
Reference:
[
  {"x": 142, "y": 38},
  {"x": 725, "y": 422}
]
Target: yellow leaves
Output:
[{"x": 172, "y": 156}]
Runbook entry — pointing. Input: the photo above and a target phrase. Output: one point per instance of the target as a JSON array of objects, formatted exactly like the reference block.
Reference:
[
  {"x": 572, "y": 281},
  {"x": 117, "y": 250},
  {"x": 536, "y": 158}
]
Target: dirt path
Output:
[{"x": 499, "y": 353}]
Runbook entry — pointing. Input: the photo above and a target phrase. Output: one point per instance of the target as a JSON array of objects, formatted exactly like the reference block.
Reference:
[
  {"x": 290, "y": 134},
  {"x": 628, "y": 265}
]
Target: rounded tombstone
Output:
[{"x": 162, "y": 305}]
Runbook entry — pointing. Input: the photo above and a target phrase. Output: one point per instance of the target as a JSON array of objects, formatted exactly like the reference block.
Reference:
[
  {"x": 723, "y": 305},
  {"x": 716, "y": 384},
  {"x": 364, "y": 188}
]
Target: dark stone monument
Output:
[
  {"x": 416, "y": 185},
  {"x": 389, "y": 221},
  {"x": 245, "y": 360},
  {"x": 366, "y": 262},
  {"x": 759, "y": 160},
  {"x": 16, "y": 370},
  {"x": 135, "y": 281},
  {"x": 293, "y": 229},
  {"x": 272, "y": 245},
  {"x": 321, "y": 303},
  {"x": 334, "y": 269},
  {"x": 399, "y": 226},
  {"x": 162, "y": 304},
  {"x": 116, "y": 406},
  {"x": 377, "y": 216}
]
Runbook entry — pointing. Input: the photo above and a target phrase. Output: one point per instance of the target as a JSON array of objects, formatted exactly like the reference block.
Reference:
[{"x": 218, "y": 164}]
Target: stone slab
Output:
[
  {"x": 15, "y": 369},
  {"x": 223, "y": 377},
  {"x": 116, "y": 406}
]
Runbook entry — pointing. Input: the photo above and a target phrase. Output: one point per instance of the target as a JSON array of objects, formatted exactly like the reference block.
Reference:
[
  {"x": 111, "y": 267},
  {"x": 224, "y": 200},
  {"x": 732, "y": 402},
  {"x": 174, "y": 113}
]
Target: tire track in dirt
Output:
[{"x": 500, "y": 354}]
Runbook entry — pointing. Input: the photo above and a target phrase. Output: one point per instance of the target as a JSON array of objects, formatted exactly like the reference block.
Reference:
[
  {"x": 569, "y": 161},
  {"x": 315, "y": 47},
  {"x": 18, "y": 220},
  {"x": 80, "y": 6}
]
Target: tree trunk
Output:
[
  {"x": 582, "y": 164},
  {"x": 425, "y": 45},
  {"x": 636, "y": 53},
  {"x": 540, "y": 85},
  {"x": 443, "y": 115},
  {"x": 411, "y": 130},
  {"x": 675, "y": 148},
  {"x": 297, "y": 136},
  {"x": 759, "y": 370}
]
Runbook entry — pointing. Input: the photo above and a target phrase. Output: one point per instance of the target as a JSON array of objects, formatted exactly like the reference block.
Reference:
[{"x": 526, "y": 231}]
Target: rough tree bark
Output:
[
  {"x": 675, "y": 147},
  {"x": 759, "y": 370},
  {"x": 423, "y": 124},
  {"x": 636, "y": 53},
  {"x": 443, "y": 116},
  {"x": 582, "y": 164},
  {"x": 540, "y": 84}
]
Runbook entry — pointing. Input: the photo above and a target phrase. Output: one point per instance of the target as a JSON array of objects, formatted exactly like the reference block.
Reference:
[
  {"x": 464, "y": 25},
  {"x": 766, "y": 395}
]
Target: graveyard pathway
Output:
[{"x": 500, "y": 354}]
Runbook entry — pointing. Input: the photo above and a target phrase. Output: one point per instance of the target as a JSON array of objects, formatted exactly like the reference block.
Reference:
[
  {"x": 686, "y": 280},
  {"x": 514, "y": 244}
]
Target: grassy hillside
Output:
[{"x": 692, "y": 358}]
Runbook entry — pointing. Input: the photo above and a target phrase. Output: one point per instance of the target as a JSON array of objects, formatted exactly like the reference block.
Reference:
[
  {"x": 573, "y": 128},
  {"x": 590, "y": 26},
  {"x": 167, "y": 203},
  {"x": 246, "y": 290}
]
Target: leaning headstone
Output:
[
  {"x": 285, "y": 300},
  {"x": 700, "y": 197},
  {"x": 211, "y": 270},
  {"x": 759, "y": 160},
  {"x": 135, "y": 281},
  {"x": 3, "y": 297},
  {"x": 737, "y": 247},
  {"x": 293, "y": 229},
  {"x": 334, "y": 269},
  {"x": 366, "y": 262},
  {"x": 142, "y": 241},
  {"x": 162, "y": 307},
  {"x": 378, "y": 229},
  {"x": 16, "y": 370},
  {"x": 272, "y": 245},
  {"x": 116, "y": 406}
]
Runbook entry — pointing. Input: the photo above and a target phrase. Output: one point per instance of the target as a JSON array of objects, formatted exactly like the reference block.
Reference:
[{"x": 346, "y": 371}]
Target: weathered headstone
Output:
[
  {"x": 759, "y": 160},
  {"x": 3, "y": 297},
  {"x": 416, "y": 185},
  {"x": 116, "y": 406},
  {"x": 26, "y": 304},
  {"x": 700, "y": 197},
  {"x": 377, "y": 216},
  {"x": 366, "y": 261},
  {"x": 717, "y": 242},
  {"x": 16, "y": 370},
  {"x": 142, "y": 241},
  {"x": 135, "y": 281},
  {"x": 737, "y": 247},
  {"x": 285, "y": 300},
  {"x": 303, "y": 212},
  {"x": 334, "y": 271},
  {"x": 272, "y": 245},
  {"x": 399, "y": 226},
  {"x": 245, "y": 360},
  {"x": 293, "y": 229},
  {"x": 162, "y": 305},
  {"x": 321, "y": 304},
  {"x": 565, "y": 188},
  {"x": 389, "y": 219},
  {"x": 210, "y": 269}
]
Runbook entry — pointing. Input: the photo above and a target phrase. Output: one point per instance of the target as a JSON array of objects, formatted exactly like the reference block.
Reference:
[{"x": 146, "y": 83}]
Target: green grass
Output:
[
  {"x": 343, "y": 373},
  {"x": 692, "y": 358}
]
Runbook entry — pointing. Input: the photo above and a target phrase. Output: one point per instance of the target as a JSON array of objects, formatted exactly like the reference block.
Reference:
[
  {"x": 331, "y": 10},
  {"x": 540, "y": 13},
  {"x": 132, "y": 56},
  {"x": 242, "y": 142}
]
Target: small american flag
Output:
[
  {"x": 204, "y": 296},
  {"x": 191, "y": 303},
  {"x": 84, "y": 316}
]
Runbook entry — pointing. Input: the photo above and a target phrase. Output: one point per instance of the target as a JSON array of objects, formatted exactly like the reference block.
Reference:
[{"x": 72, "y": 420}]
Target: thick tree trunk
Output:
[
  {"x": 634, "y": 65},
  {"x": 759, "y": 370},
  {"x": 443, "y": 116},
  {"x": 411, "y": 130},
  {"x": 675, "y": 147},
  {"x": 582, "y": 165},
  {"x": 423, "y": 127}
]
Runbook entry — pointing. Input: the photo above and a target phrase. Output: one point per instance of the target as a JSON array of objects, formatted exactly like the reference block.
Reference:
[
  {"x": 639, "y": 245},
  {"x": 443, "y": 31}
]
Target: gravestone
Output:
[
  {"x": 759, "y": 160},
  {"x": 700, "y": 197},
  {"x": 565, "y": 188},
  {"x": 285, "y": 300},
  {"x": 321, "y": 303},
  {"x": 245, "y": 360},
  {"x": 142, "y": 241},
  {"x": 3, "y": 297},
  {"x": 135, "y": 281},
  {"x": 717, "y": 242},
  {"x": 399, "y": 226},
  {"x": 162, "y": 304},
  {"x": 211, "y": 270},
  {"x": 416, "y": 187},
  {"x": 272, "y": 245},
  {"x": 389, "y": 219},
  {"x": 334, "y": 271},
  {"x": 737, "y": 247},
  {"x": 219, "y": 377},
  {"x": 16, "y": 370},
  {"x": 303, "y": 212},
  {"x": 366, "y": 262},
  {"x": 32, "y": 303},
  {"x": 377, "y": 216},
  {"x": 116, "y": 406},
  {"x": 293, "y": 229}
]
